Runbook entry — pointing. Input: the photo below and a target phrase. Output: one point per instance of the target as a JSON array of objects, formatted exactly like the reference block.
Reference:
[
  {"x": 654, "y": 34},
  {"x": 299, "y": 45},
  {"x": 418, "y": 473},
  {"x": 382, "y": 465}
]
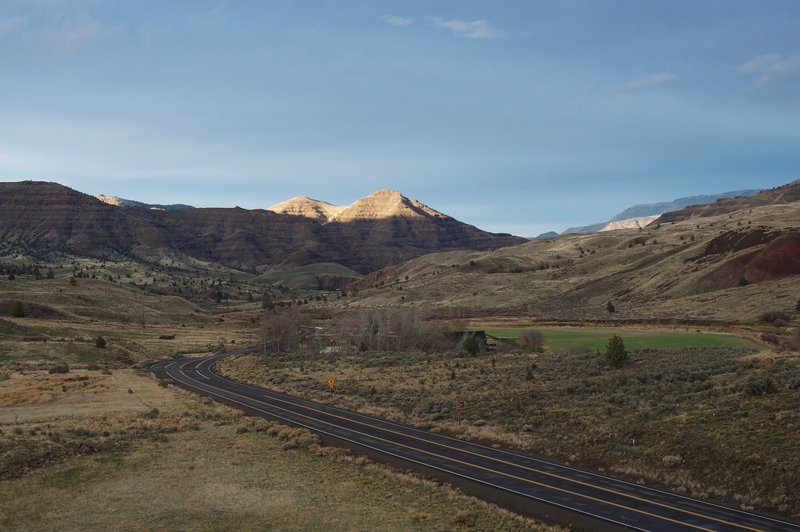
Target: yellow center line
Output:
[
  {"x": 501, "y": 473},
  {"x": 531, "y": 469}
]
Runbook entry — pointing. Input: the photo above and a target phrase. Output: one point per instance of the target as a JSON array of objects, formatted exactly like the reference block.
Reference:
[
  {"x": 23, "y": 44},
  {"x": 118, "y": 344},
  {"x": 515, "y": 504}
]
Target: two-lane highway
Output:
[{"x": 605, "y": 501}]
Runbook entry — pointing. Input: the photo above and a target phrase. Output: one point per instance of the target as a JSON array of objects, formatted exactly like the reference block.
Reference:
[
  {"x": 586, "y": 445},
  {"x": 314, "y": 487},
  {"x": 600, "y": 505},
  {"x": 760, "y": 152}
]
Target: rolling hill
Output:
[{"x": 732, "y": 266}]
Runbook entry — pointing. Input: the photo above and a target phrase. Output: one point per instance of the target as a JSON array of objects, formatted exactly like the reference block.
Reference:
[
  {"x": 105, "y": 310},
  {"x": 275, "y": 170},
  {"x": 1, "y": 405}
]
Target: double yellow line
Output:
[{"x": 470, "y": 464}]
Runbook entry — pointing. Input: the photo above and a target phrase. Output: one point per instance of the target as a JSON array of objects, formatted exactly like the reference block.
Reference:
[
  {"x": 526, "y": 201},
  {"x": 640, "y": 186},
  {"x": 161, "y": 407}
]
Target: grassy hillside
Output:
[
  {"x": 687, "y": 270},
  {"x": 310, "y": 276}
]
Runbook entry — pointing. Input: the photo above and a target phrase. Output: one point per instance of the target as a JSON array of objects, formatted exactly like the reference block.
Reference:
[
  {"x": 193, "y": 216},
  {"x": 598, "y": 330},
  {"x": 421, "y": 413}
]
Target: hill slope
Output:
[
  {"x": 634, "y": 216},
  {"x": 46, "y": 217},
  {"x": 681, "y": 270}
]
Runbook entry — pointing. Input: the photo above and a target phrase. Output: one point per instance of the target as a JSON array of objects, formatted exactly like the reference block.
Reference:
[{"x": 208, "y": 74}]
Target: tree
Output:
[
  {"x": 100, "y": 342},
  {"x": 616, "y": 355},
  {"x": 266, "y": 301},
  {"x": 610, "y": 307},
  {"x": 531, "y": 340},
  {"x": 470, "y": 345},
  {"x": 277, "y": 330}
]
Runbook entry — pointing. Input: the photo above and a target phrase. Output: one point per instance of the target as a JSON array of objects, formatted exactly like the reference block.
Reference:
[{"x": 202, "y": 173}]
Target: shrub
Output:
[
  {"x": 531, "y": 340},
  {"x": 771, "y": 316},
  {"x": 471, "y": 345},
  {"x": 743, "y": 281},
  {"x": 756, "y": 388},
  {"x": 100, "y": 342},
  {"x": 616, "y": 355},
  {"x": 797, "y": 307},
  {"x": 19, "y": 310},
  {"x": 59, "y": 368},
  {"x": 610, "y": 307}
]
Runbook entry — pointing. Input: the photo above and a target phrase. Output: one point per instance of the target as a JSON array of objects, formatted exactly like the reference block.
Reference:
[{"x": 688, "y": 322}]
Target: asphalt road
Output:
[{"x": 596, "y": 501}]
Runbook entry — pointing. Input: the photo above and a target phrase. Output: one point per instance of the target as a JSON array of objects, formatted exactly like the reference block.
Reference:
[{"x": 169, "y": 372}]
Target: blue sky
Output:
[{"x": 516, "y": 116}]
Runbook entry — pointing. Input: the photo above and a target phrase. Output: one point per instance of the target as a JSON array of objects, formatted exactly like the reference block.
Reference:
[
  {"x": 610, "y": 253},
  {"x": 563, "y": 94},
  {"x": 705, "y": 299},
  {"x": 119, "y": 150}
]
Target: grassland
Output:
[
  {"x": 93, "y": 451},
  {"x": 560, "y": 338},
  {"x": 669, "y": 418}
]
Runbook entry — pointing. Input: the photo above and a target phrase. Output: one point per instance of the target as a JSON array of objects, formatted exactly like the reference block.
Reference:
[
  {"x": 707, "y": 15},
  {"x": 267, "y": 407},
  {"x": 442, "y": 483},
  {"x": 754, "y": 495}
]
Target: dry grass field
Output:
[
  {"x": 669, "y": 418},
  {"x": 687, "y": 270},
  {"x": 89, "y": 450}
]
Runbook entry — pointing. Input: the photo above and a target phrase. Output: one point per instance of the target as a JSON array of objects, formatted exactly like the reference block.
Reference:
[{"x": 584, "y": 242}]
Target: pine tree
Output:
[{"x": 616, "y": 355}]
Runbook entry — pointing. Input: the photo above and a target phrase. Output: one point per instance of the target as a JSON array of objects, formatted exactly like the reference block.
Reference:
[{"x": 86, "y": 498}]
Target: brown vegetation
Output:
[{"x": 669, "y": 417}]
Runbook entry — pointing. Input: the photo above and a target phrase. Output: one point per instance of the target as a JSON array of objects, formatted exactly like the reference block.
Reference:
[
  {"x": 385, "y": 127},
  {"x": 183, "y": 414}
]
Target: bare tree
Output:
[
  {"x": 278, "y": 330},
  {"x": 531, "y": 340}
]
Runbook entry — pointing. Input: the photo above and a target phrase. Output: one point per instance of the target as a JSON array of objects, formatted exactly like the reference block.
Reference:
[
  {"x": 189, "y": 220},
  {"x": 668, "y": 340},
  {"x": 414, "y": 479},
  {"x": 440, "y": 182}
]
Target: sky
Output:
[{"x": 514, "y": 116}]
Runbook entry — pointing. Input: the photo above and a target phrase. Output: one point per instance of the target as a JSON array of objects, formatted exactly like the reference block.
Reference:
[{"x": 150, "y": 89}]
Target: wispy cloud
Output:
[
  {"x": 770, "y": 70},
  {"x": 398, "y": 21},
  {"x": 471, "y": 29},
  {"x": 68, "y": 38},
  {"x": 211, "y": 14},
  {"x": 11, "y": 24},
  {"x": 651, "y": 81}
]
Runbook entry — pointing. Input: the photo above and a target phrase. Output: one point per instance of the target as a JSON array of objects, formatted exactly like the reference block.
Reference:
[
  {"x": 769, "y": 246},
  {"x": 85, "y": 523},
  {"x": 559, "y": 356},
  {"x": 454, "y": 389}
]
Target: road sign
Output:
[
  {"x": 458, "y": 407},
  {"x": 331, "y": 383}
]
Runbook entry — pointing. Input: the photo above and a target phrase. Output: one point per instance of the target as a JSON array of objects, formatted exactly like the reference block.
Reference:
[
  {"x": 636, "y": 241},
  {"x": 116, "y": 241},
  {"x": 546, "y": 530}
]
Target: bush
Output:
[
  {"x": 531, "y": 340},
  {"x": 616, "y": 355},
  {"x": 610, "y": 307},
  {"x": 797, "y": 307},
  {"x": 743, "y": 281},
  {"x": 771, "y": 316},
  {"x": 756, "y": 388},
  {"x": 59, "y": 368},
  {"x": 18, "y": 310},
  {"x": 471, "y": 345},
  {"x": 100, "y": 342}
]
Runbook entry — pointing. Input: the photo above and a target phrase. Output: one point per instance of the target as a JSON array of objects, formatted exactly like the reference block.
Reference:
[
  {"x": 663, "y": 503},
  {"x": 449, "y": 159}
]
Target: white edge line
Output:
[
  {"x": 527, "y": 457},
  {"x": 528, "y": 496}
]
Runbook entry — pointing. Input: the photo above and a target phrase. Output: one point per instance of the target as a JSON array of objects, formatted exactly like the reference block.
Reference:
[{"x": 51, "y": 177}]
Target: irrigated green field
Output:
[{"x": 567, "y": 337}]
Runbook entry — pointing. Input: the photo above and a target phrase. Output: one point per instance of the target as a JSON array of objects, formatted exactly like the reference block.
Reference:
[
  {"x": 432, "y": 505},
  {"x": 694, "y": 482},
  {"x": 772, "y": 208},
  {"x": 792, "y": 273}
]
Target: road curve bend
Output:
[{"x": 581, "y": 498}]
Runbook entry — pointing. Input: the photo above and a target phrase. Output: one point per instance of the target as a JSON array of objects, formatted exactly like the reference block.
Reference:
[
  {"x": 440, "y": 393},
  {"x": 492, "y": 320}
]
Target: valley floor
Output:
[
  {"x": 92, "y": 451},
  {"x": 669, "y": 418}
]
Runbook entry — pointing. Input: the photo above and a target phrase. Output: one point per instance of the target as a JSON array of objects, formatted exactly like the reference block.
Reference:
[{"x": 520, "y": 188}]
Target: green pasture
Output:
[{"x": 567, "y": 337}]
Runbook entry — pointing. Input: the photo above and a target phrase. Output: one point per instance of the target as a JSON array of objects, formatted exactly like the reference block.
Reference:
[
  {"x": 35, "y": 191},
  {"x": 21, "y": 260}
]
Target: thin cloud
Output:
[
  {"x": 212, "y": 14},
  {"x": 770, "y": 70},
  {"x": 398, "y": 21},
  {"x": 11, "y": 24},
  {"x": 470, "y": 29},
  {"x": 68, "y": 38},
  {"x": 649, "y": 82}
]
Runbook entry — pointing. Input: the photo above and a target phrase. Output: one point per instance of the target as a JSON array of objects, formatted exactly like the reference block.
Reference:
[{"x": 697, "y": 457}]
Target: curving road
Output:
[{"x": 537, "y": 487}]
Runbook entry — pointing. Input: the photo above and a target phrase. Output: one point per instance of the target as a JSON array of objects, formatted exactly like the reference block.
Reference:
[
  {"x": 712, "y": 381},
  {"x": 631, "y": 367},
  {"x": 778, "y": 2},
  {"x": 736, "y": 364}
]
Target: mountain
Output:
[
  {"x": 379, "y": 205},
  {"x": 651, "y": 209},
  {"x": 126, "y": 203},
  {"x": 636, "y": 215},
  {"x": 688, "y": 268},
  {"x": 381, "y": 229},
  {"x": 628, "y": 223},
  {"x": 545, "y": 236},
  {"x": 788, "y": 193},
  {"x": 320, "y": 211}
]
